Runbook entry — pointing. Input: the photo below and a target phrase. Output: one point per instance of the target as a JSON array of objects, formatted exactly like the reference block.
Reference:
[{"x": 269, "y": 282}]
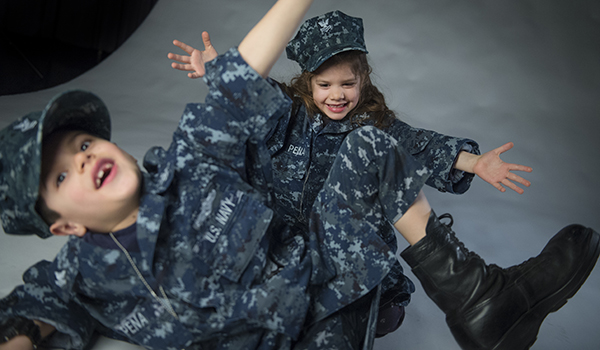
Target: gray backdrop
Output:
[{"x": 496, "y": 71}]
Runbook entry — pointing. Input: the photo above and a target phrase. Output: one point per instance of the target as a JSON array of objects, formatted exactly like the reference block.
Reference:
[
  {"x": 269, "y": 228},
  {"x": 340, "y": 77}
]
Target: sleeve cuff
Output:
[{"x": 236, "y": 84}]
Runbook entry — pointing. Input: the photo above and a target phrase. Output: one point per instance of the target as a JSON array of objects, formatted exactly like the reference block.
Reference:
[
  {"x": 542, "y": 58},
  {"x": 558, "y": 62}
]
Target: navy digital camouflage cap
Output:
[
  {"x": 21, "y": 152},
  {"x": 321, "y": 37}
]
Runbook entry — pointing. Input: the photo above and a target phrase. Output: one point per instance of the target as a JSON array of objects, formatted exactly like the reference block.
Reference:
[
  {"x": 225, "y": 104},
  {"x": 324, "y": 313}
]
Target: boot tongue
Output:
[{"x": 436, "y": 237}]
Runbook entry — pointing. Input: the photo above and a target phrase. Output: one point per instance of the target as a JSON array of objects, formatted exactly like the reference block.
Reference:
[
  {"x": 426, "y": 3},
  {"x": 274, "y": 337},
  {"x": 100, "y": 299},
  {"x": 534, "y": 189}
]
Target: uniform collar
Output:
[
  {"x": 345, "y": 125},
  {"x": 160, "y": 171}
]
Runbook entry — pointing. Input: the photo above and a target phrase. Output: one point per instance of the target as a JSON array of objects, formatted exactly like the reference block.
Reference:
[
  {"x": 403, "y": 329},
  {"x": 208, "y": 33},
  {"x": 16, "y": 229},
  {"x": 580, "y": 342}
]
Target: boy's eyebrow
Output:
[
  {"x": 45, "y": 168},
  {"x": 74, "y": 135}
]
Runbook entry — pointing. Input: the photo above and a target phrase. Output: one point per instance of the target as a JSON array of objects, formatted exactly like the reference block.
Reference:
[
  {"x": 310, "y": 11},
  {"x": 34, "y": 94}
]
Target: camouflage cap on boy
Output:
[
  {"x": 323, "y": 36},
  {"x": 21, "y": 152}
]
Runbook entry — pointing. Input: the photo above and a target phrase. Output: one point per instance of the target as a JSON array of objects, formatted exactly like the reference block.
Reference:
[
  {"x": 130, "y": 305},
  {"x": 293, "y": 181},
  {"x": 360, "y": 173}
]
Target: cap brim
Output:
[
  {"x": 315, "y": 63},
  {"x": 22, "y": 148},
  {"x": 77, "y": 110}
]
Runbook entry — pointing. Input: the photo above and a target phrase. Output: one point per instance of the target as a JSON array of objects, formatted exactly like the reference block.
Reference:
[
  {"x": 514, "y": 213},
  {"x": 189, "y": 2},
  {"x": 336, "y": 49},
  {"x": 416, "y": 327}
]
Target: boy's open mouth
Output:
[{"x": 105, "y": 168}]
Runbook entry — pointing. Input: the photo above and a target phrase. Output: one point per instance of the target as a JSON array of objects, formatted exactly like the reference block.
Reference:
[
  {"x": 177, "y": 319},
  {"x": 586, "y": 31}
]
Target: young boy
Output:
[
  {"x": 189, "y": 261},
  {"x": 192, "y": 257}
]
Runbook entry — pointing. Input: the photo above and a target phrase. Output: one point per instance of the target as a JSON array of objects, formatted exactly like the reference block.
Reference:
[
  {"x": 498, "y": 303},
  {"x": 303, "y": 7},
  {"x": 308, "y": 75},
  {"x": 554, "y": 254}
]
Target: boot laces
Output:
[
  {"x": 446, "y": 216},
  {"x": 453, "y": 234}
]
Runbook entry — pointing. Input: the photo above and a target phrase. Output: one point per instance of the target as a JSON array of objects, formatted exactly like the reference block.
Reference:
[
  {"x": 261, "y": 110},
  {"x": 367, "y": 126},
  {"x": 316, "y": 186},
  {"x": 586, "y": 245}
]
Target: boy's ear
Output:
[{"x": 67, "y": 228}]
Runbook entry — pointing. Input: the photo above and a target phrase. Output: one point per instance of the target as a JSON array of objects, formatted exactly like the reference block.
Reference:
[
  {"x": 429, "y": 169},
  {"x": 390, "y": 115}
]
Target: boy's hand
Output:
[
  {"x": 495, "y": 171},
  {"x": 194, "y": 63},
  {"x": 22, "y": 342},
  {"x": 19, "y": 342}
]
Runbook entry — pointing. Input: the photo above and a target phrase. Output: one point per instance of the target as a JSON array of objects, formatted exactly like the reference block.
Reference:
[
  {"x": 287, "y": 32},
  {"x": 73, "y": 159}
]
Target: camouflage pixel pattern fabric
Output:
[
  {"x": 304, "y": 150},
  {"x": 321, "y": 37},
  {"x": 236, "y": 275},
  {"x": 204, "y": 237}
]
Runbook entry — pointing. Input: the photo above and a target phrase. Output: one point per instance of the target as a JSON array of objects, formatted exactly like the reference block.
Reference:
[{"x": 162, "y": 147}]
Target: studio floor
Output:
[{"x": 524, "y": 71}]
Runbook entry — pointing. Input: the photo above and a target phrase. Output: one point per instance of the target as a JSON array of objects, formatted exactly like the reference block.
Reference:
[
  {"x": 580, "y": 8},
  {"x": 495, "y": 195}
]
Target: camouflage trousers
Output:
[{"x": 372, "y": 183}]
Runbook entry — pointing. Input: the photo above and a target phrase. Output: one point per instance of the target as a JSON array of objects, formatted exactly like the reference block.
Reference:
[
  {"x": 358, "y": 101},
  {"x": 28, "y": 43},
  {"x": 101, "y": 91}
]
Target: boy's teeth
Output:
[{"x": 101, "y": 173}]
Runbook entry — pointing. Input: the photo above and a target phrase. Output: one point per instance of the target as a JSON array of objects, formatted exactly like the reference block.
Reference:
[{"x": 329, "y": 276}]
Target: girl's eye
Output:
[
  {"x": 85, "y": 145},
  {"x": 61, "y": 178}
]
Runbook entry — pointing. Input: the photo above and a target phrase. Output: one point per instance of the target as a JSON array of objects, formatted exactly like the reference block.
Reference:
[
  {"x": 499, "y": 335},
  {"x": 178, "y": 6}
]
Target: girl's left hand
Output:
[
  {"x": 194, "y": 63},
  {"x": 495, "y": 171}
]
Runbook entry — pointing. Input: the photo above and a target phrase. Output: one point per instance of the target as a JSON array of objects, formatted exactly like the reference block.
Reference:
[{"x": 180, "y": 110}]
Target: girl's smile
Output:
[{"x": 336, "y": 91}]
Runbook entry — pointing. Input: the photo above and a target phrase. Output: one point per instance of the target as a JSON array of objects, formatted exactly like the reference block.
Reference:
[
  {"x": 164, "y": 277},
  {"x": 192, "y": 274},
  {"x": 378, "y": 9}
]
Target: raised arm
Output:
[{"x": 263, "y": 45}]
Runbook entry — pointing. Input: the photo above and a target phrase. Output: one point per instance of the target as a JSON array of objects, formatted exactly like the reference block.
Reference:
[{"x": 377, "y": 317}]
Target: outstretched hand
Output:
[
  {"x": 498, "y": 173},
  {"x": 195, "y": 59}
]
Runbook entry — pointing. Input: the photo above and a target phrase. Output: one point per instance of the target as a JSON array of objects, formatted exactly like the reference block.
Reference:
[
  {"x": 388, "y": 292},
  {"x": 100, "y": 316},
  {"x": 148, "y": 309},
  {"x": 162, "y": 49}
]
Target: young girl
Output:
[
  {"x": 373, "y": 180},
  {"x": 333, "y": 96}
]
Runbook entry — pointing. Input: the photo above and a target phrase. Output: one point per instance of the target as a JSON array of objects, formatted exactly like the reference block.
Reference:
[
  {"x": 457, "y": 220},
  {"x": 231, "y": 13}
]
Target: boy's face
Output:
[
  {"x": 336, "y": 91},
  {"x": 89, "y": 181}
]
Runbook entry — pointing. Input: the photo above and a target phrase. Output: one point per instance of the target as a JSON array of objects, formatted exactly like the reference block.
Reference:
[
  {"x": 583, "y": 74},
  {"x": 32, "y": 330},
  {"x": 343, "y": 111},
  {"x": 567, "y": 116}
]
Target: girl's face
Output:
[{"x": 336, "y": 91}]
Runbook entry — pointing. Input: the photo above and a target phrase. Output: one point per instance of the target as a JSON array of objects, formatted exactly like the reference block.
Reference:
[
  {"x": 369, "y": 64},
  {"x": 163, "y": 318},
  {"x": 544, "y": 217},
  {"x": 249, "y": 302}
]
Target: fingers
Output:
[
  {"x": 517, "y": 178},
  {"x": 519, "y": 167},
  {"x": 510, "y": 182},
  {"x": 195, "y": 75},
  {"x": 185, "y": 47},
  {"x": 179, "y": 66},
  {"x": 209, "y": 51},
  {"x": 505, "y": 147},
  {"x": 183, "y": 62},
  {"x": 179, "y": 58},
  {"x": 499, "y": 187},
  {"x": 511, "y": 166},
  {"x": 206, "y": 40},
  {"x": 512, "y": 186}
]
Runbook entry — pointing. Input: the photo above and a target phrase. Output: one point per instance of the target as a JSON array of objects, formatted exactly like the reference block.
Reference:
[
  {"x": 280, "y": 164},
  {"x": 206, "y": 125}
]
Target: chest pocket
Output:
[
  {"x": 291, "y": 162},
  {"x": 231, "y": 225}
]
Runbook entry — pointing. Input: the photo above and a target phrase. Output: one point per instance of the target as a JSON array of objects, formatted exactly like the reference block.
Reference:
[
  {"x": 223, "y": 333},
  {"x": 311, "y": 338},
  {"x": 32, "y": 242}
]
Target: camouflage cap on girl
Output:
[
  {"x": 21, "y": 152},
  {"x": 323, "y": 36}
]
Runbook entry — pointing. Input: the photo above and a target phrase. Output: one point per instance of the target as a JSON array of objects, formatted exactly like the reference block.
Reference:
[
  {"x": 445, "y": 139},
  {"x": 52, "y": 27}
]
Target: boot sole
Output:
[{"x": 516, "y": 338}]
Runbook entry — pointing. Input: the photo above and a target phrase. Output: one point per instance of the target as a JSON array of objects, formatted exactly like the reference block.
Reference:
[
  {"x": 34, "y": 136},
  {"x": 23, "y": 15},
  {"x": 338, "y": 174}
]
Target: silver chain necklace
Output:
[{"x": 164, "y": 301}]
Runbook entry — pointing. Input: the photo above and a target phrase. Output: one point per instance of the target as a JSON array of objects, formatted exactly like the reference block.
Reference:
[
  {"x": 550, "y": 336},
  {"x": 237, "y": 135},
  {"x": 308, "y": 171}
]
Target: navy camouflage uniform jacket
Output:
[
  {"x": 303, "y": 150},
  {"x": 205, "y": 235},
  {"x": 235, "y": 276}
]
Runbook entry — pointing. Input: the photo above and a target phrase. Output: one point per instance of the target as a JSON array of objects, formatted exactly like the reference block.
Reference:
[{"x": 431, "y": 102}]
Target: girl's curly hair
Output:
[{"x": 371, "y": 100}]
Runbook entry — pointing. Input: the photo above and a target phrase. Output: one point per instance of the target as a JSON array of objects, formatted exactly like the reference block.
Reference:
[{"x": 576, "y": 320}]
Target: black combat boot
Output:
[{"x": 488, "y": 307}]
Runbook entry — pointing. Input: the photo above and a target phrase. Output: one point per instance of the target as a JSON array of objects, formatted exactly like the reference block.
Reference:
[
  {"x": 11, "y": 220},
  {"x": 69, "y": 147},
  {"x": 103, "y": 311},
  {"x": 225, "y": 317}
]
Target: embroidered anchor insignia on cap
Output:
[{"x": 325, "y": 27}]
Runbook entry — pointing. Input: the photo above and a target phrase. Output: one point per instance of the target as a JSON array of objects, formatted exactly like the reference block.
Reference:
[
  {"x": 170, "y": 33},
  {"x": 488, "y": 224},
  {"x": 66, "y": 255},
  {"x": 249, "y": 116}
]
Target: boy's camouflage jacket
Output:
[{"x": 204, "y": 236}]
